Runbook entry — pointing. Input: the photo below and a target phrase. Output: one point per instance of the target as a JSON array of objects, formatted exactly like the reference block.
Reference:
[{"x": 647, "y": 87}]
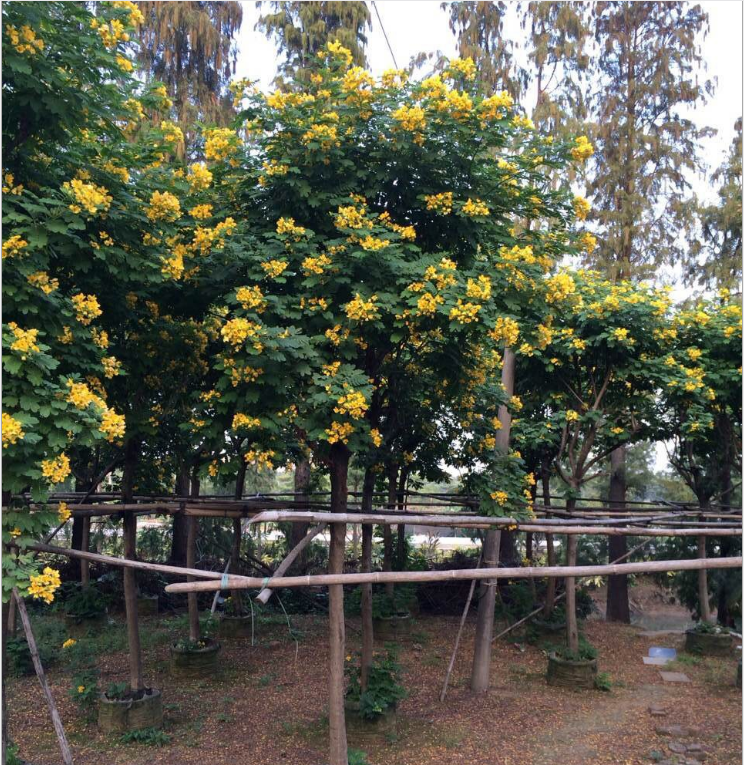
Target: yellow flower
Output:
[
  {"x": 199, "y": 177},
  {"x": 200, "y": 212},
  {"x": 13, "y": 246},
  {"x": 411, "y": 118},
  {"x": 372, "y": 244},
  {"x": 494, "y": 107},
  {"x": 87, "y": 196},
  {"x": 236, "y": 331},
  {"x": 506, "y": 330},
  {"x": 559, "y": 287},
  {"x": 24, "y": 41},
  {"x": 16, "y": 532},
  {"x": 43, "y": 586},
  {"x": 588, "y": 242},
  {"x": 582, "y": 149},
  {"x": 111, "y": 366},
  {"x": 164, "y": 206},
  {"x": 359, "y": 309},
  {"x": 461, "y": 67},
  {"x": 376, "y": 436},
  {"x": 617, "y": 431},
  {"x": 464, "y": 313},
  {"x": 12, "y": 430},
  {"x": 427, "y": 303},
  {"x": 315, "y": 266},
  {"x": 440, "y": 203},
  {"x": 339, "y": 432},
  {"x": 500, "y": 497},
  {"x": 86, "y": 307},
  {"x": 124, "y": 63},
  {"x": 63, "y": 512},
  {"x": 41, "y": 280},
  {"x": 25, "y": 340},
  {"x": 274, "y": 268},
  {"x": 325, "y": 135},
  {"x": 113, "y": 425},
  {"x": 220, "y": 143},
  {"x": 581, "y": 208},
  {"x": 475, "y": 208},
  {"x": 334, "y": 50},
  {"x": 480, "y": 289},
  {"x": 245, "y": 421},
  {"x": 516, "y": 403},
  {"x": 349, "y": 217},
  {"x": 572, "y": 415},
  {"x": 69, "y": 643},
  {"x": 352, "y": 403},
  {"x": 81, "y": 689},
  {"x": 287, "y": 226},
  {"x": 251, "y": 299}
]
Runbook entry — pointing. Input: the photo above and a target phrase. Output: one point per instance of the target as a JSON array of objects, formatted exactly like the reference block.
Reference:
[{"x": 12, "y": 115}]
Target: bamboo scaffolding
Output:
[{"x": 385, "y": 577}]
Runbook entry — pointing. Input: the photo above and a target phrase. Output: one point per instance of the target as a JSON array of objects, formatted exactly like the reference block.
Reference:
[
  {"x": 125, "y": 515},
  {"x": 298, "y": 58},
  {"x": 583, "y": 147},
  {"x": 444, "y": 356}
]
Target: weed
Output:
[
  {"x": 357, "y": 757},
  {"x": 265, "y": 680},
  {"x": 603, "y": 681},
  {"x": 147, "y": 737}
]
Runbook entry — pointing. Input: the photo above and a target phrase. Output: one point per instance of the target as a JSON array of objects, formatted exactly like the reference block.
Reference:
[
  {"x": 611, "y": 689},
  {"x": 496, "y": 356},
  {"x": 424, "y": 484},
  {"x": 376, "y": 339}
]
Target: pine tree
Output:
[
  {"x": 646, "y": 150},
  {"x": 189, "y": 47},
  {"x": 302, "y": 29},
  {"x": 479, "y": 28},
  {"x": 716, "y": 261},
  {"x": 558, "y": 34}
]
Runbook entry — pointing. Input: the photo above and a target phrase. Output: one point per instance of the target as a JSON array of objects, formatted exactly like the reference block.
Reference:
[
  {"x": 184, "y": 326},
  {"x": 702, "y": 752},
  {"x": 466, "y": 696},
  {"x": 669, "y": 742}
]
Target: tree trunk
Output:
[
  {"x": 193, "y": 600},
  {"x": 703, "y": 596},
  {"x": 336, "y": 637},
  {"x": 480, "y": 677},
  {"x": 77, "y": 542},
  {"x": 572, "y": 628},
  {"x": 367, "y": 627},
  {"x": 85, "y": 546},
  {"x": 299, "y": 530},
  {"x": 180, "y": 531},
  {"x": 618, "y": 607},
  {"x": 724, "y": 615},
  {"x": 550, "y": 588}
]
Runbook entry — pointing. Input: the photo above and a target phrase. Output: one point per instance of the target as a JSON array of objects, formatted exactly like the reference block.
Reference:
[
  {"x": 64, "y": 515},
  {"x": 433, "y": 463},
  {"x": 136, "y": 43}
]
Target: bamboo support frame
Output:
[{"x": 383, "y": 577}]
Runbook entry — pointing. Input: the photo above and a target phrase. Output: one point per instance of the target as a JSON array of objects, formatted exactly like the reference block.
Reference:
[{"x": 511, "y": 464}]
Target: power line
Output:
[{"x": 382, "y": 26}]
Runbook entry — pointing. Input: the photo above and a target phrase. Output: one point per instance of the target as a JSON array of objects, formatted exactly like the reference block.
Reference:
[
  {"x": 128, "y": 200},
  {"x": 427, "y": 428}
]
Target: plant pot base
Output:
[
  {"x": 194, "y": 665},
  {"x": 571, "y": 674},
  {"x": 236, "y": 627},
  {"x": 385, "y": 723},
  {"x": 707, "y": 644},
  {"x": 391, "y": 628},
  {"x": 120, "y": 716}
]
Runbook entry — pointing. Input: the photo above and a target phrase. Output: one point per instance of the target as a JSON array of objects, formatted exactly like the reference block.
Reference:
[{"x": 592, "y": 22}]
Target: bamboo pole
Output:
[
  {"x": 703, "y": 583},
  {"x": 56, "y": 721},
  {"x": 130, "y": 603},
  {"x": 487, "y": 522},
  {"x": 381, "y": 577},
  {"x": 264, "y": 595},
  {"x": 193, "y": 602}
]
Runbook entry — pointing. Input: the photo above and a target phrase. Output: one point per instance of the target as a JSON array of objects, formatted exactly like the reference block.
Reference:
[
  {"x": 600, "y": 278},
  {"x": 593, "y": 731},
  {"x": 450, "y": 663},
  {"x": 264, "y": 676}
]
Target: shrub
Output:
[
  {"x": 383, "y": 687},
  {"x": 147, "y": 737}
]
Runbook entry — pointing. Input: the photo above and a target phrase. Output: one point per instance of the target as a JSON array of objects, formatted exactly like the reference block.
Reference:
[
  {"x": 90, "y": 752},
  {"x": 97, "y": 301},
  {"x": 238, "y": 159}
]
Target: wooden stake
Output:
[
  {"x": 193, "y": 601},
  {"x": 56, "y": 721},
  {"x": 572, "y": 629},
  {"x": 480, "y": 677},
  {"x": 130, "y": 602},
  {"x": 703, "y": 583}
]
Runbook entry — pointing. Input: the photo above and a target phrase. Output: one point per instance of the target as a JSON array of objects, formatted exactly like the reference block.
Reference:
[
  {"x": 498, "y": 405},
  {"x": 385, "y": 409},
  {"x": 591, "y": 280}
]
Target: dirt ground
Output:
[{"x": 267, "y": 706}]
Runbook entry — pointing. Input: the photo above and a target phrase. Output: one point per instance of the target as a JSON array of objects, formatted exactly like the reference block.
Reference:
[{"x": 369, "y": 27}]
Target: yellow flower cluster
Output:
[
  {"x": 559, "y": 287},
  {"x": 112, "y": 33},
  {"x": 325, "y": 135},
  {"x": 135, "y": 14},
  {"x": 220, "y": 143},
  {"x": 112, "y": 425},
  {"x": 493, "y": 108},
  {"x": 479, "y": 289},
  {"x": 236, "y": 331},
  {"x": 43, "y": 586},
  {"x": 245, "y": 421},
  {"x": 244, "y": 374},
  {"x": 440, "y": 203},
  {"x": 373, "y": 244},
  {"x": 111, "y": 366},
  {"x": 286, "y": 226},
  {"x": 57, "y": 469},
  {"x": 588, "y": 242},
  {"x": 13, "y": 246},
  {"x": 621, "y": 334},
  {"x": 475, "y": 207},
  {"x": 394, "y": 78},
  {"x": 331, "y": 370},
  {"x": 315, "y": 266},
  {"x": 352, "y": 403},
  {"x": 164, "y": 206},
  {"x": 173, "y": 266},
  {"x": 506, "y": 330},
  {"x": 9, "y": 188},
  {"x": 581, "y": 208},
  {"x": 500, "y": 497},
  {"x": 24, "y": 41},
  {"x": 357, "y": 81},
  {"x": 200, "y": 212},
  {"x": 25, "y": 340},
  {"x": 349, "y": 217},
  {"x": 199, "y": 177},
  {"x": 411, "y": 118},
  {"x": 274, "y": 268},
  {"x": 206, "y": 238},
  {"x": 339, "y": 431},
  {"x": 572, "y": 415},
  {"x": 41, "y": 280},
  {"x": 88, "y": 196},
  {"x": 516, "y": 404},
  {"x": 81, "y": 396},
  {"x": 464, "y": 313},
  {"x": 337, "y": 51},
  {"x": 124, "y": 63},
  {"x": 64, "y": 514},
  {"x": 359, "y": 309},
  {"x": 427, "y": 304},
  {"x": 376, "y": 437},
  {"x": 251, "y": 299},
  {"x": 461, "y": 67},
  {"x": 457, "y": 104},
  {"x": 12, "y": 430},
  {"x": 86, "y": 308},
  {"x": 262, "y": 460},
  {"x": 582, "y": 149},
  {"x": 525, "y": 122}
]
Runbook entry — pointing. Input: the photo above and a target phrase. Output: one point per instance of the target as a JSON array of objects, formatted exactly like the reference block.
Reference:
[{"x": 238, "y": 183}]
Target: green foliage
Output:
[
  {"x": 710, "y": 628},
  {"x": 603, "y": 682},
  {"x": 86, "y": 602},
  {"x": 117, "y": 691},
  {"x": 19, "y": 655},
  {"x": 358, "y": 757},
  {"x": 84, "y": 689},
  {"x": 146, "y": 737},
  {"x": 383, "y": 686},
  {"x": 586, "y": 652}
]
